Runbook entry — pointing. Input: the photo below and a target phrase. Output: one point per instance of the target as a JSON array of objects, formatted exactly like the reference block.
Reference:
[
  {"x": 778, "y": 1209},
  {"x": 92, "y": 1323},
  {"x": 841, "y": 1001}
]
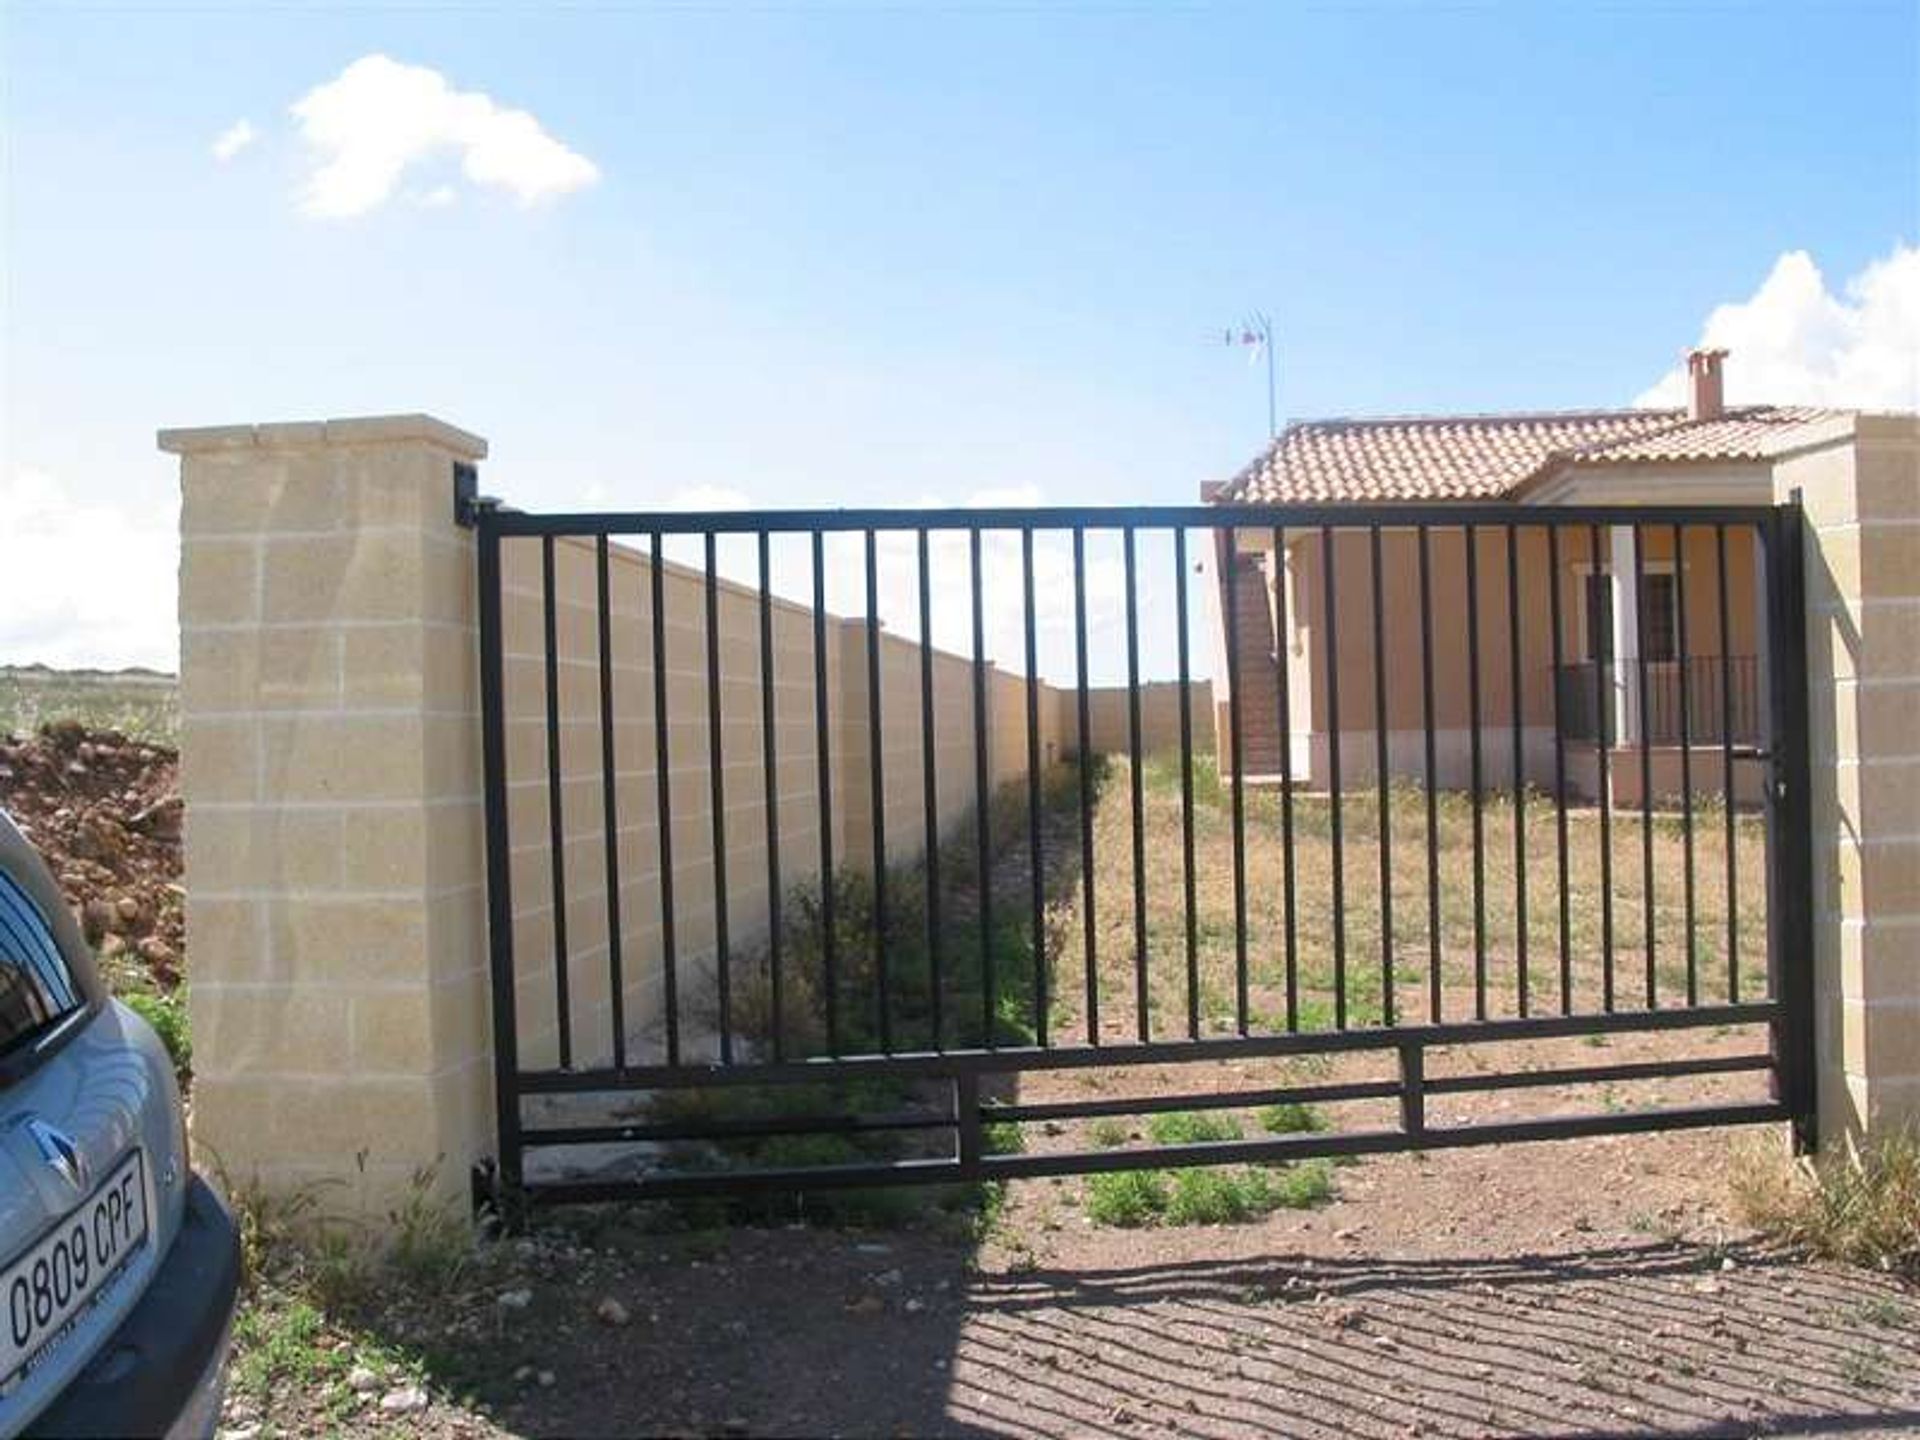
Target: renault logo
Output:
[{"x": 59, "y": 1151}]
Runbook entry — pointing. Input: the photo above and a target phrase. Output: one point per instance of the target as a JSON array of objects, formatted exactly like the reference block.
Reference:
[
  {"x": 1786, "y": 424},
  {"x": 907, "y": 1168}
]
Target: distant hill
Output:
[
  {"x": 140, "y": 703},
  {"x": 131, "y": 674}
]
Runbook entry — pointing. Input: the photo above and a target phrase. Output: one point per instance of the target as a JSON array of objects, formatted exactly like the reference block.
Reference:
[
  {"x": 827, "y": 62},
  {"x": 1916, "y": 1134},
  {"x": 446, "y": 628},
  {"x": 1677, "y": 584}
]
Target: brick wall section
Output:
[
  {"x": 330, "y": 765},
  {"x": 850, "y": 817},
  {"x": 1861, "y": 490},
  {"x": 1108, "y": 729}
]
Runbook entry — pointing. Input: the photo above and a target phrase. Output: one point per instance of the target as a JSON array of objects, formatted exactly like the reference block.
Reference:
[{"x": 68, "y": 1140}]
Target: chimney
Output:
[{"x": 1706, "y": 387}]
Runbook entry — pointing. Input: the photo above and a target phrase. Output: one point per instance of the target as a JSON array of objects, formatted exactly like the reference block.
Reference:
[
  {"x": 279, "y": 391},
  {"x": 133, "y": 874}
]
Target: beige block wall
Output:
[
  {"x": 696, "y": 909},
  {"x": 1861, "y": 492},
  {"x": 1109, "y": 724},
  {"x": 588, "y": 971},
  {"x": 330, "y": 766}
]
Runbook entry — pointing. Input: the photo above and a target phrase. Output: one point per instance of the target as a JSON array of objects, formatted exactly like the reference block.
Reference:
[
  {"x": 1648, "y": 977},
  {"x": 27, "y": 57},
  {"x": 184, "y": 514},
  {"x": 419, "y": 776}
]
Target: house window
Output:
[
  {"x": 1600, "y": 616},
  {"x": 1659, "y": 616}
]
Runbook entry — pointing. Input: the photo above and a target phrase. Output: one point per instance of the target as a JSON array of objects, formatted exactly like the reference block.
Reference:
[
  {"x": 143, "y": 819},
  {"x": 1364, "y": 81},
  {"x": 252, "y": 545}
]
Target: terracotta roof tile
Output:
[
  {"x": 1745, "y": 434},
  {"x": 1483, "y": 457}
]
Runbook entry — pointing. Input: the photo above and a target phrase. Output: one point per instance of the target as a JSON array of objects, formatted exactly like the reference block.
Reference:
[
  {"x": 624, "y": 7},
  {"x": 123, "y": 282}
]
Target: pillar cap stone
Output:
[{"x": 309, "y": 434}]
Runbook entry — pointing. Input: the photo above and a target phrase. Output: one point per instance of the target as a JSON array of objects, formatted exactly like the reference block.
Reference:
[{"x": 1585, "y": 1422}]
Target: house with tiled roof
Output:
[{"x": 1635, "y": 605}]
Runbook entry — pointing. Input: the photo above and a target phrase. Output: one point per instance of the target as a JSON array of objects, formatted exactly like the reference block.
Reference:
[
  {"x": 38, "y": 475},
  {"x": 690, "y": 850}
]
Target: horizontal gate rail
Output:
[
  {"x": 1280, "y": 1150},
  {"x": 1007, "y": 1059},
  {"x": 651, "y": 723},
  {"x": 508, "y": 522}
]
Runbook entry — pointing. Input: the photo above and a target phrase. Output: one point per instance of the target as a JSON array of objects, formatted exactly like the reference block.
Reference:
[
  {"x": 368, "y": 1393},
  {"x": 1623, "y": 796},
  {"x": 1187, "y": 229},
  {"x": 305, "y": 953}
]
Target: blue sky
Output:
[{"x": 880, "y": 255}]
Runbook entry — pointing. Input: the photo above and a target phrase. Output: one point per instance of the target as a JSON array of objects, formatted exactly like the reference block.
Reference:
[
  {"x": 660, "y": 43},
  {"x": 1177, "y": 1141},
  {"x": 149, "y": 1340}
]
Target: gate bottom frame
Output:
[{"x": 505, "y": 1190}]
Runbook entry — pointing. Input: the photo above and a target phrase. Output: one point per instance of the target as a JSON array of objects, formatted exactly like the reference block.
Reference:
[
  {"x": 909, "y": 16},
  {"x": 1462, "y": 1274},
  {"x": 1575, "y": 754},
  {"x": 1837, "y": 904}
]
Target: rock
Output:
[
  {"x": 96, "y": 919},
  {"x": 888, "y": 1277},
  {"x": 127, "y": 908},
  {"x": 867, "y": 1305},
  {"x": 611, "y": 1312},
  {"x": 360, "y": 1380},
  {"x": 161, "y": 820},
  {"x": 406, "y": 1400},
  {"x": 545, "y": 1379},
  {"x": 523, "y": 1374},
  {"x": 513, "y": 1299},
  {"x": 248, "y": 1431}
]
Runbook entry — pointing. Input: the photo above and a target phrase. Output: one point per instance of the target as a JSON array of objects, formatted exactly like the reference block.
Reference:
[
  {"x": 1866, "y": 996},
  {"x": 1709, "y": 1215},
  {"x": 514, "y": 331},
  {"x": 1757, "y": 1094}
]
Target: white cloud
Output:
[
  {"x": 1795, "y": 341},
  {"x": 232, "y": 140},
  {"x": 378, "y": 118},
  {"x": 87, "y": 582}
]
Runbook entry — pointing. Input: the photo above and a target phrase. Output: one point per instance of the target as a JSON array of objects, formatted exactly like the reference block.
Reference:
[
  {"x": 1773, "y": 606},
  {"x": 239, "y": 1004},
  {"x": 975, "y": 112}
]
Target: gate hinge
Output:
[{"x": 468, "y": 502}]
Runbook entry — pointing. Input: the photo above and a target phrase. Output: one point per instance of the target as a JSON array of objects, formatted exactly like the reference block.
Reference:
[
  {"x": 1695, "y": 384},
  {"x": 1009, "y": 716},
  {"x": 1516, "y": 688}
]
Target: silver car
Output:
[{"x": 118, "y": 1265}]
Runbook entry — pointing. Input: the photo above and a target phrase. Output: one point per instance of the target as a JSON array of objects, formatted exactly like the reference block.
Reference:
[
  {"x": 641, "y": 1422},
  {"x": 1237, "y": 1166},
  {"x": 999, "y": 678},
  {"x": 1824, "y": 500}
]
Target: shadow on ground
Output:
[{"x": 809, "y": 1331}]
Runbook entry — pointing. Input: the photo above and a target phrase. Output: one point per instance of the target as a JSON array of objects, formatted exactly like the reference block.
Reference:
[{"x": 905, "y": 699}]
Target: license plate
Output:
[{"x": 43, "y": 1291}]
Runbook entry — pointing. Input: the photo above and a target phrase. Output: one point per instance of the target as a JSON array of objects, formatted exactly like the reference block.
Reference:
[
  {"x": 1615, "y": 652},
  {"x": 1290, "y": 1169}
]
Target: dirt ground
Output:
[{"x": 1578, "y": 1288}]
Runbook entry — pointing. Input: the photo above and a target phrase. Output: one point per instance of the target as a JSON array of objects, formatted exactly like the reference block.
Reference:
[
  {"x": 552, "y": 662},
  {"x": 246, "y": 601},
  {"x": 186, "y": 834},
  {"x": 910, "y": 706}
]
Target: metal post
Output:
[
  {"x": 506, "y": 1052},
  {"x": 1790, "y": 823}
]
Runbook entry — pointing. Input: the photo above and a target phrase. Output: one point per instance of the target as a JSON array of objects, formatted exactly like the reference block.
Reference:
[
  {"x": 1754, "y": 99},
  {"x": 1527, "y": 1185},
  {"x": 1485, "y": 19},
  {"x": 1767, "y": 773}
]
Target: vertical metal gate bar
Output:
[
  {"x": 1142, "y": 1023},
  {"x": 717, "y": 801},
  {"x": 770, "y": 769},
  {"x": 1683, "y": 617},
  {"x": 1385, "y": 818},
  {"x": 1477, "y": 783},
  {"x": 1790, "y": 891},
  {"x": 1085, "y": 728},
  {"x": 1515, "y": 703},
  {"x": 1435, "y": 997},
  {"x": 506, "y": 1035},
  {"x": 970, "y": 1138},
  {"x": 1187, "y": 878},
  {"x": 1641, "y": 673},
  {"x": 1230, "y": 604},
  {"x": 663, "y": 798},
  {"x": 556, "y": 815},
  {"x": 610, "y": 815},
  {"x": 1726, "y": 768},
  {"x": 930, "y": 803},
  {"x": 1330, "y": 605},
  {"x": 1555, "y": 618},
  {"x": 1282, "y": 628},
  {"x": 1413, "y": 1090},
  {"x": 823, "y": 764},
  {"x": 1603, "y": 730},
  {"x": 877, "y": 799},
  {"x": 1036, "y": 863},
  {"x": 982, "y": 799}
]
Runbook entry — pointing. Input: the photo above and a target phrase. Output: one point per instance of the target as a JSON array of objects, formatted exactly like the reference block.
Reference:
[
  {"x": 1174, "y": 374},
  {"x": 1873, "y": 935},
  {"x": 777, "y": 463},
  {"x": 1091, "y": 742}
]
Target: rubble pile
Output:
[{"x": 105, "y": 811}]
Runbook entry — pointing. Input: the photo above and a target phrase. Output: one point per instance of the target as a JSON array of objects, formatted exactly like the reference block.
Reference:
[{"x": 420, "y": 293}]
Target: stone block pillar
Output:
[
  {"x": 331, "y": 773},
  {"x": 1860, "y": 486}
]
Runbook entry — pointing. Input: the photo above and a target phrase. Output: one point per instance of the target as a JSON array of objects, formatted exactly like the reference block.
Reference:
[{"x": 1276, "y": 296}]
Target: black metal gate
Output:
[{"x": 673, "y": 996}]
